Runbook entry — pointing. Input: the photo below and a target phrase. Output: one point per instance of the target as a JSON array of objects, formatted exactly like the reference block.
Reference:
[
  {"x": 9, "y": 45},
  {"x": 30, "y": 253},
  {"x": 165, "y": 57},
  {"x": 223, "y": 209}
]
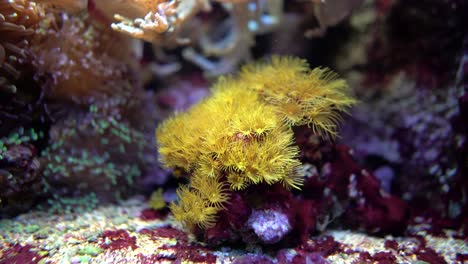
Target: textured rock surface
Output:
[{"x": 117, "y": 234}]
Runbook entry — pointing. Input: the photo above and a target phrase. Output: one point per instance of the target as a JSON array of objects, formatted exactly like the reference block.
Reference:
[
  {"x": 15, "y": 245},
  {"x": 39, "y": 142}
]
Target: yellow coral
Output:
[
  {"x": 193, "y": 210},
  {"x": 242, "y": 134},
  {"x": 210, "y": 189},
  {"x": 300, "y": 96},
  {"x": 177, "y": 149}
]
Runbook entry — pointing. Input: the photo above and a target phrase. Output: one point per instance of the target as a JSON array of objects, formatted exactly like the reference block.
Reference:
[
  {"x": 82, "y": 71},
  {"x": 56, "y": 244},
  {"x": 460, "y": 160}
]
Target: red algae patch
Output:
[
  {"x": 166, "y": 232},
  {"x": 325, "y": 246},
  {"x": 118, "y": 239},
  {"x": 381, "y": 258},
  {"x": 19, "y": 254},
  {"x": 391, "y": 244},
  {"x": 430, "y": 255},
  {"x": 182, "y": 250},
  {"x": 462, "y": 258},
  {"x": 191, "y": 252}
]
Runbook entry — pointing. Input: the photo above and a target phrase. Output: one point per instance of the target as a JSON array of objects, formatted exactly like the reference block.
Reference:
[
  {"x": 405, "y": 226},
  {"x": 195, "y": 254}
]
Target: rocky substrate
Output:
[{"x": 130, "y": 233}]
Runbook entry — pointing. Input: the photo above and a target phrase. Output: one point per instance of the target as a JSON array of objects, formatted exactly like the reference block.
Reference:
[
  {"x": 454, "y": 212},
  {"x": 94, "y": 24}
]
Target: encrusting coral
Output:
[
  {"x": 242, "y": 135},
  {"x": 94, "y": 152},
  {"x": 20, "y": 172}
]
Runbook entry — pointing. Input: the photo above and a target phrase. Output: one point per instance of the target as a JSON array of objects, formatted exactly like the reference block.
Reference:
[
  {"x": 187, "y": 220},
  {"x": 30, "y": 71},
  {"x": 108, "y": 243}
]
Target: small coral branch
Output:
[
  {"x": 154, "y": 20},
  {"x": 242, "y": 135},
  {"x": 246, "y": 20},
  {"x": 174, "y": 23}
]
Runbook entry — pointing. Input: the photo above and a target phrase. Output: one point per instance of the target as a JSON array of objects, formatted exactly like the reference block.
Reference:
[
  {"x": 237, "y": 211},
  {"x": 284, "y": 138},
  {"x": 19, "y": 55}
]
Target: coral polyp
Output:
[
  {"x": 241, "y": 137},
  {"x": 193, "y": 209},
  {"x": 300, "y": 96},
  {"x": 211, "y": 189}
]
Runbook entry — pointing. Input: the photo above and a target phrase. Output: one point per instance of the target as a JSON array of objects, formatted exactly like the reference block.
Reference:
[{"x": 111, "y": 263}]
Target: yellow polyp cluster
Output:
[
  {"x": 193, "y": 209},
  {"x": 300, "y": 96},
  {"x": 242, "y": 135}
]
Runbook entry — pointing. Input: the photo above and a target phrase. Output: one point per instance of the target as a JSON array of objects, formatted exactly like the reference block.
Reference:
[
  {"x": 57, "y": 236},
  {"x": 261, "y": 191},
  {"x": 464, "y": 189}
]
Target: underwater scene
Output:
[{"x": 234, "y": 131}]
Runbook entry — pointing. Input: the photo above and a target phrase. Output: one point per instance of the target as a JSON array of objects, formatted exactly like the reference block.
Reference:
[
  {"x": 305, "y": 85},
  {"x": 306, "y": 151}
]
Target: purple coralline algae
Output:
[{"x": 269, "y": 225}]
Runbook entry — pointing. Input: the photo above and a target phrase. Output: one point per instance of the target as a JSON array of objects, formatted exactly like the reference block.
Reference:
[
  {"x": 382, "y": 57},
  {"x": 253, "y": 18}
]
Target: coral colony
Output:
[
  {"x": 242, "y": 137},
  {"x": 233, "y": 131}
]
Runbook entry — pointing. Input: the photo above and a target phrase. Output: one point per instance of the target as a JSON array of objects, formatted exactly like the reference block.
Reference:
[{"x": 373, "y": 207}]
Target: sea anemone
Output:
[
  {"x": 18, "y": 18},
  {"x": 80, "y": 59}
]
